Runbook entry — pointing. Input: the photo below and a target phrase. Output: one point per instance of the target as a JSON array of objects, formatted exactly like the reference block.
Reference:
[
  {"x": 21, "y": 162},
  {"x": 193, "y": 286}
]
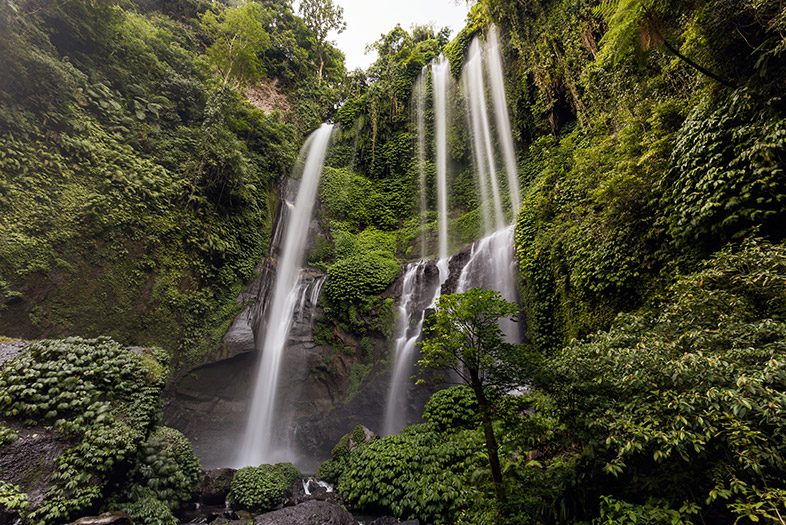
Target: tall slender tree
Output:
[
  {"x": 322, "y": 17},
  {"x": 464, "y": 336}
]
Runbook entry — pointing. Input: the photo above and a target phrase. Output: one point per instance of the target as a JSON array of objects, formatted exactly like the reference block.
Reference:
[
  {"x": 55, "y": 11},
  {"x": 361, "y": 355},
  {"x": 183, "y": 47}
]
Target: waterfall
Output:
[
  {"x": 440, "y": 73},
  {"x": 492, "y": 266},
  {"x": 416, "y": 294},
  {"x": 484, "y": 66},
  {"x": 404, "y": 346},
  {"x": 504, "y": 132},
  {"x": 491, "y": 263},
  {"x": 258, "y": 445}
]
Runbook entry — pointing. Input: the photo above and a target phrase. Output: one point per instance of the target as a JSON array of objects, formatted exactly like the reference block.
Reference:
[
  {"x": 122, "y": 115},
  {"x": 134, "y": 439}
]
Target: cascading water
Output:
[
  {"x": 259, "y": 444},
  {"x": 406, "y": 338},
  {"x": 440, "y": 73},
  {"x": 309, "y": 289},
  {"x": 491, "y": 264},
  {"x": 480, "y": 126},
  {"x": 504, "y": 132}
]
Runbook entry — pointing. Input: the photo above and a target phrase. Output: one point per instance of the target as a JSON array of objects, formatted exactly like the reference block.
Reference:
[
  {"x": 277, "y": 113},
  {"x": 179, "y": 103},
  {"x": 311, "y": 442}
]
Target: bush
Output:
[
  {"x": 353, "y": 280},
  {"x": 727, "y": 178},
  {"x": 419, "y": 473},
  {"x": 261, "y": 488},
  {"x": 684, "y": 403},
  {"x": 146, "y": 509},
  {"x": 93, "y": 391},
  {"x": 168, "y": 467},
  {"x": 452, "y": 409},
  {"x": 350, "y": 443}
]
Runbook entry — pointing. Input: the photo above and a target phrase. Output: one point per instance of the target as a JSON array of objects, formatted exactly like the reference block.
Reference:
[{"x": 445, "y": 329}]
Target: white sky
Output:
[{"x": 367, "y": 20}]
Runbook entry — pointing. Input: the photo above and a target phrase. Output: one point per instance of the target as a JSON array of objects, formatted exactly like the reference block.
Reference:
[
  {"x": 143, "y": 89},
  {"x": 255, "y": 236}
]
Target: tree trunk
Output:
[
  {"x": 491, "y": 441},
  {"x": 321, "y": 67}
]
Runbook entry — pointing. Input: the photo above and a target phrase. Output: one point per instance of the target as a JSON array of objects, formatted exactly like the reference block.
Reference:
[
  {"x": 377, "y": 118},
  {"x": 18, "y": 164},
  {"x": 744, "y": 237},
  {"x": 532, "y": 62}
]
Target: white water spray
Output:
[
  {"x": 440, "y": 74},
  {"x": 259, "y": 444},
  {"x": 504, "y": 132},
  {"x": 406, "y": 339}
]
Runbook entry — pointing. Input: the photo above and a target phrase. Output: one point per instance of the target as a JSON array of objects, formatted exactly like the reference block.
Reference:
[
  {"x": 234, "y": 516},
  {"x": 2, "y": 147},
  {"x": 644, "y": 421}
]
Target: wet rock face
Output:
[
  {"x": 310, "y": 489},
  {"x": 31, "y": 460},
  {"x": 215, "y": 486},
  {"x": 11, "y": 349},
  {"x": 208, "y": 405},
  {"x": 309, "y": 513}
]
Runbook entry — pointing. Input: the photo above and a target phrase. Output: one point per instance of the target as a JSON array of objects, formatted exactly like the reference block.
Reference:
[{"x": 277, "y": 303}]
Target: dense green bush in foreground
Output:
[
  {"x": 675, "y": 415},
  {"x": 103, "y": 401}
]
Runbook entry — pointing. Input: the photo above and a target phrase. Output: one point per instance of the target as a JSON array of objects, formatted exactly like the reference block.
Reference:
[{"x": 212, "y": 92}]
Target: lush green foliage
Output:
[
  {"x": 635, "y": 183},
  {"x": 12, "y": 499},
  {"x": 105, "y": 400},
  {"x": 452, "y": 408},
  {"x": 145, "y": 507},
  {"x": 350, "y": 442},
  {"x": 168, "y": 467},
  {"x": 136, "y": 183},
  {"x": 261, "y": 488},
  {"x": 700, "y": 401},
  {"x": 418, "y": 473}
]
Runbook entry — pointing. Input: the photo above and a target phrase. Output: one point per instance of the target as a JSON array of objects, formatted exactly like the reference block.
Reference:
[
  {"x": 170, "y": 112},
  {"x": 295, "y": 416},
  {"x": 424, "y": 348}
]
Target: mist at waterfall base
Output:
[
  {"x": 491, "y": 263},
  {"x": 261, "y": 443}
]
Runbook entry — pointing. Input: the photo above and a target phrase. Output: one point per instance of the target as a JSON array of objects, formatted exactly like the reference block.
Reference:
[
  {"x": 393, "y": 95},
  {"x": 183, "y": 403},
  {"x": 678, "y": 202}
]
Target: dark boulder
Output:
[
  {"x": 215, "y": 486},
  {"x": 30, "y": 461},
  {"x": 309, "y": 513}
]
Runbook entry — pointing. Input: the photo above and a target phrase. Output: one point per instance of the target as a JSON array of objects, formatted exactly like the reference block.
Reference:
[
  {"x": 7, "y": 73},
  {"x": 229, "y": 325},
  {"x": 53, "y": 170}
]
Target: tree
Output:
[
  {"x": 239, "y": 39},
  {"x": 322, "y": 17},
  {"x": 464, "y": 336}
]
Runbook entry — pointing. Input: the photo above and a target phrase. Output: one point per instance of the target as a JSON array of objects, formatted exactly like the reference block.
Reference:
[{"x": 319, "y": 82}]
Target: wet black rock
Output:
[
  {"x": 215, "y": 486},
  {"x": 309, "y": 513},
  {"x": 31, "y": 460},
  {"x": 11, "y": 349}
]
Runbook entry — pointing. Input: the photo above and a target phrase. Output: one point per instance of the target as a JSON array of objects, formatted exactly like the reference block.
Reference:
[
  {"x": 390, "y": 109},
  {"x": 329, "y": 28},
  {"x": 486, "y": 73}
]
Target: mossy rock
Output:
[{"x": 262, "y": 488}]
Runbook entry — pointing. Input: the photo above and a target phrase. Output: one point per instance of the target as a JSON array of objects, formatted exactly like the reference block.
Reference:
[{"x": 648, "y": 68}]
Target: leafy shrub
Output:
[
  {"x": 653, "y": 512},
  {"x": 145, "y": 508},
  {"x": 7, "y": 435},
  {"x": 416, "y": 474},
  {"x": 261, "y": 488},
  {"x": 685, "y": 403},
  {"x": 351, "y": 442},
  {"x": 452, "y": 409},
  {"x": 12, "y": 498},
  {"x": 168, "y": 466},
  {"x": 352, "y": 280}
]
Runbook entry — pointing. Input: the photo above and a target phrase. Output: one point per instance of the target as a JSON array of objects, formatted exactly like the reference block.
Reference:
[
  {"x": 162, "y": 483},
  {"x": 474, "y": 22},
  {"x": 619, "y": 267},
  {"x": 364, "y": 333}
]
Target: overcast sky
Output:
[{"x": 367, "y": 20}]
